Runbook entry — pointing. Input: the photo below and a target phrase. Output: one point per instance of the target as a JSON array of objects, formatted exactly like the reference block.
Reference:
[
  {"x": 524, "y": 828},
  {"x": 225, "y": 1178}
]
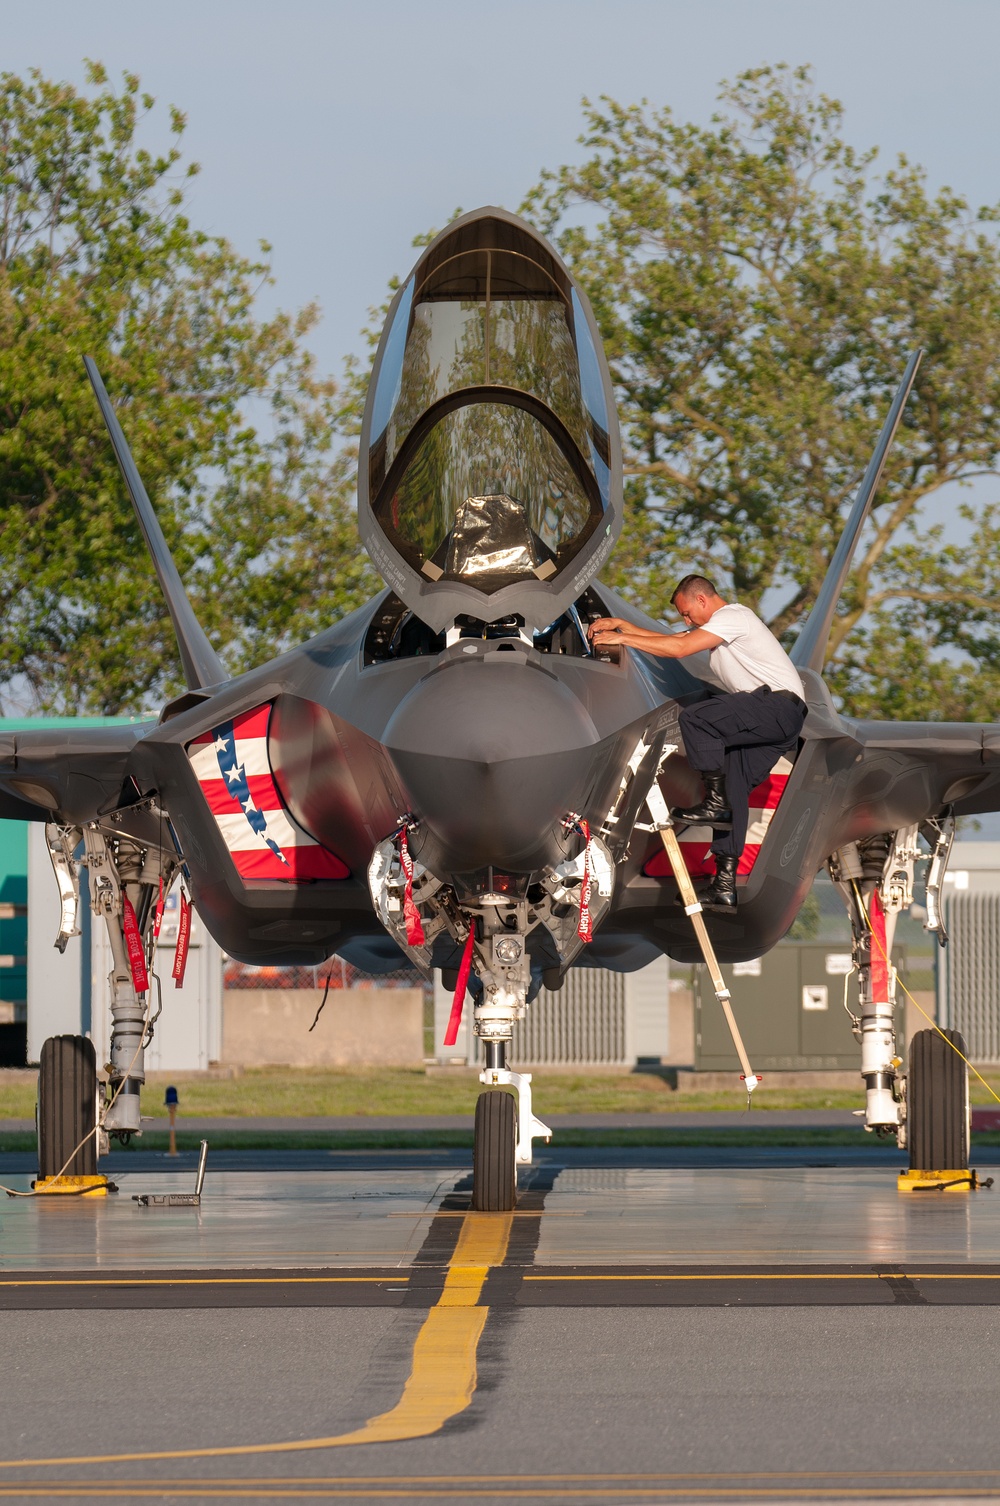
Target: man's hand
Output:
[
  {"x": 607, "y": 630},
  {"x": 615, "y": 630}
]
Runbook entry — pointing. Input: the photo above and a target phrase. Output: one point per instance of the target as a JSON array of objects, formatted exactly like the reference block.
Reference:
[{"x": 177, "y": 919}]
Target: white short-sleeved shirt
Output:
[{"x": 749, "y": 655}]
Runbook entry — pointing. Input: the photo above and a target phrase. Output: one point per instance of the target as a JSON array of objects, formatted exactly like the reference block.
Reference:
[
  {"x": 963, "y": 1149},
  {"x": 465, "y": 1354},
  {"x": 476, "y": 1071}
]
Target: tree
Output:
[
  {"x": 759, "y": 290},
  {"x": 97, "y": 256}
]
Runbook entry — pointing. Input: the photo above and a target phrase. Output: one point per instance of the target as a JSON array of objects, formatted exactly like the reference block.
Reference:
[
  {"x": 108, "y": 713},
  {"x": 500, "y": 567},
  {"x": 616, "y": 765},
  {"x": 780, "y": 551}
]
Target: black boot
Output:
[
  {"x": 721, "y": 892},
  {"x": 714, "y": 808}
]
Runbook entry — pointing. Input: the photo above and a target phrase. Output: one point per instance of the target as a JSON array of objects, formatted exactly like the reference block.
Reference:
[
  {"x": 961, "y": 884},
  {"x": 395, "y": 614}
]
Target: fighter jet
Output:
[{"x": 452, "y": 777}]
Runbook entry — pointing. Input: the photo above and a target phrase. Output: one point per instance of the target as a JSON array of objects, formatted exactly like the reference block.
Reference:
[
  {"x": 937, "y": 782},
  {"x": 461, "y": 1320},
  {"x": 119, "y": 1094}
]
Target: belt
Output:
[{"x": 790, "y": 696}]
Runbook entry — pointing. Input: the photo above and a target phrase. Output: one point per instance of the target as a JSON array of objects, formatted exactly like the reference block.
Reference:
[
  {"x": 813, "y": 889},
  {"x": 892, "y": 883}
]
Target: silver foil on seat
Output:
[{"x": 492, "y": 543}]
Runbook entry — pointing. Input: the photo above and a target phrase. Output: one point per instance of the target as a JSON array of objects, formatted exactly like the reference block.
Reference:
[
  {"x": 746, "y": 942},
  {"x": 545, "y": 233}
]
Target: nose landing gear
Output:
[
  {"x": 503, "y": 1132},
  {"x": 492, "y": 932}
]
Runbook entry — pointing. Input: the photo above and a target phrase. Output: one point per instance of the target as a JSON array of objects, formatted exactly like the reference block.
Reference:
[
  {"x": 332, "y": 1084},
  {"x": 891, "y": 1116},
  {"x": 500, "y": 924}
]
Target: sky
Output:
[{"x": 339, "y": 131}]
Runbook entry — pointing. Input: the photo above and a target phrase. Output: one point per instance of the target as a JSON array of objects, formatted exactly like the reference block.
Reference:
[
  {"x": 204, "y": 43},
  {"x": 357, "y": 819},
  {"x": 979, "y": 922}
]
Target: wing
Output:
[
  {"x": 957, "y": 763},
  {"x": 72, "y": 774}
]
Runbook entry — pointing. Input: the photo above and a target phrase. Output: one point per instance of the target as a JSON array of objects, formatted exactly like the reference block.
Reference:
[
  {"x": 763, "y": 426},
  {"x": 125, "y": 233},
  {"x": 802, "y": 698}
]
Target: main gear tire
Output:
[
  {"x": 937, "y": 1102},
  {"x": 67, "y": 1107},
  {"x": 494, "y": 1166}
]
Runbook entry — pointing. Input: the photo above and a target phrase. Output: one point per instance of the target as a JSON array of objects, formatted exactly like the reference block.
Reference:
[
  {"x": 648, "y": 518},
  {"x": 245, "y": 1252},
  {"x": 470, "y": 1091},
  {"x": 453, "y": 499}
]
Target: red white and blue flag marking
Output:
[
  {"x": 233, "y": 769},
  {"x": 695, "y": 841}
]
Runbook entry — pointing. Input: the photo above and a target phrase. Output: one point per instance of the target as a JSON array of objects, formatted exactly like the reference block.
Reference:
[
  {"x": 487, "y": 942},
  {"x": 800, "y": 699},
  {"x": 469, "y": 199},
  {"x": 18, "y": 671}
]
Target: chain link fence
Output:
[{"x": 338, "y": 973}]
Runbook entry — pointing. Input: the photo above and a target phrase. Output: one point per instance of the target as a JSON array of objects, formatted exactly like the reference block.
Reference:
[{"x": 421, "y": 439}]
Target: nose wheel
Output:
[{"x": 494, "y": 1165}]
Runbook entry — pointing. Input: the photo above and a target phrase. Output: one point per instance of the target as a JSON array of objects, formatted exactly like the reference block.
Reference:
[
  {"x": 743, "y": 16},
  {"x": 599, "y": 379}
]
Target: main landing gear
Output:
[
  {"x": 128, "y": 872},
  {"x": 927, "y": 1107}
]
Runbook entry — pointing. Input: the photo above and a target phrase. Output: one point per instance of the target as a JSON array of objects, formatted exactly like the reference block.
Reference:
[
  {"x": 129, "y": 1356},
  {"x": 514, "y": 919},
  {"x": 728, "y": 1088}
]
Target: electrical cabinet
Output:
[{"x": 790, "y": 1010}]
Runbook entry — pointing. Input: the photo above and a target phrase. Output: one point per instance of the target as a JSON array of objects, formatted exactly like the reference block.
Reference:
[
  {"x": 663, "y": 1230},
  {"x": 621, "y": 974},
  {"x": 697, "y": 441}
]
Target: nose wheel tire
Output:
[
  {"x": 937, "y": 1103},
  {"x": 494, "y": 1170},
  {"x": 67, "y": 1106}
]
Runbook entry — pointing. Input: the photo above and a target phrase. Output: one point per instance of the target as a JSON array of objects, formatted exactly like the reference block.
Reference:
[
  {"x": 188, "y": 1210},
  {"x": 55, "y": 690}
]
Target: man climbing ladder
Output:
[{"x": 732, "y": 739}]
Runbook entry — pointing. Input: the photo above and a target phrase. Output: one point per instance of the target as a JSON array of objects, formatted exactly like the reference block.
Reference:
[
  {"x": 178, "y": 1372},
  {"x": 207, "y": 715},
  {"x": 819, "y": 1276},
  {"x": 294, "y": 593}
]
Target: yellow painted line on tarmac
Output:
[
  {"x": 880, "y": 1485},
  {"x": 978, "y": 1479},
  {"x": 442, "y": 1376},
  {"x": 824, "y": 1275},
  {"x": 405, "y": 1491},
  {"x": 126, "y": 1281},
  {"x": 792, "y": 1276},
  {"x": 949, "y": 1275}
]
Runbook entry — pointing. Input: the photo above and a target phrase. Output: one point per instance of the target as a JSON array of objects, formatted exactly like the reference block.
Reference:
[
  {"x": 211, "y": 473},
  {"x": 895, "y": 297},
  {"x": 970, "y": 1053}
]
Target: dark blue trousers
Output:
[{"x": 742, "y": 735}]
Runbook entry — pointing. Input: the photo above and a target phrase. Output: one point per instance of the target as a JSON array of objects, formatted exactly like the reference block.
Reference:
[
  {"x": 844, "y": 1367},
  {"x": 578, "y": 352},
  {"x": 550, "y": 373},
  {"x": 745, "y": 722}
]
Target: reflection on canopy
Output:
[
  {"x": 488, "y": 450},
  {"x": 489, "y": 418}
]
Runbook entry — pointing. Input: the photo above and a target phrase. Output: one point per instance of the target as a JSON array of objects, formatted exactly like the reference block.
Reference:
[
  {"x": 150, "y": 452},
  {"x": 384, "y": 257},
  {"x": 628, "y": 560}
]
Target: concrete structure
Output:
[{"x": 381, "y": 1027}]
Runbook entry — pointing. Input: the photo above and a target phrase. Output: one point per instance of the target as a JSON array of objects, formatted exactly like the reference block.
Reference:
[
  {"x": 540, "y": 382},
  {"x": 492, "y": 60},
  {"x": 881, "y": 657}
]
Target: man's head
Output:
[{"x": 696, "y": 599}]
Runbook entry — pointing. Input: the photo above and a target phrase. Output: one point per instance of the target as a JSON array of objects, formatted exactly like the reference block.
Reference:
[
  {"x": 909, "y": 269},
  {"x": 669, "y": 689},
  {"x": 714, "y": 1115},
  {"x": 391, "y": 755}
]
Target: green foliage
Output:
[
  {"x": 759, "y": 291},
  {"x": 930, "y": 646},
  {"x": 98, "y": 257},
  {"x": 807, "y": 922}
]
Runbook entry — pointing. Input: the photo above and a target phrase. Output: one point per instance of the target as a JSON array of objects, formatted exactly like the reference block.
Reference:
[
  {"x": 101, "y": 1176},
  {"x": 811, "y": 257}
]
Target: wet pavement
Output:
[
  {"x": 344, "y": 1328},
  {"x": 378, "y": 1216}
]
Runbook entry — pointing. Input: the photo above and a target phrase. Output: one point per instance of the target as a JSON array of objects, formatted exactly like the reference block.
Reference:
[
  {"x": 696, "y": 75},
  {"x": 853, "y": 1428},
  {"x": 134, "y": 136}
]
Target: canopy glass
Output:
[{"x": 488, "y": 452}]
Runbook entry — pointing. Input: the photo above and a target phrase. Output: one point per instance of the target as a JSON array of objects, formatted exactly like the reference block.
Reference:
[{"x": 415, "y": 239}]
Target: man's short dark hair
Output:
[{"x": 693, "y": 585}]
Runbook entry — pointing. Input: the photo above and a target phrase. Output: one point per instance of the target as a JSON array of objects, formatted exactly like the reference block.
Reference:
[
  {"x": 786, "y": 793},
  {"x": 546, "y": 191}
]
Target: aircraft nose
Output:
[{"x": 493, "y": 751}]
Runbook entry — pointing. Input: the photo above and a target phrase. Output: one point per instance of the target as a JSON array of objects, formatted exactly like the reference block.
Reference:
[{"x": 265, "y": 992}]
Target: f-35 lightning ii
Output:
[{"x": 451, "y": 776}]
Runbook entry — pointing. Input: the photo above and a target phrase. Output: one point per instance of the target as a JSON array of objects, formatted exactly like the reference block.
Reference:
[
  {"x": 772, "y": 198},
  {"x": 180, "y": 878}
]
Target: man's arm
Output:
[{"x": 608, "y": 630}]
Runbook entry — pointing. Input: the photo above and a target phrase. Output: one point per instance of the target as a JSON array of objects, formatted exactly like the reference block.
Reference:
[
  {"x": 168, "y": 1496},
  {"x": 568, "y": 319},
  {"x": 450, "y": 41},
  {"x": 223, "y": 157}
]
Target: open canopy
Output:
[{"x": 490, "y": 465}]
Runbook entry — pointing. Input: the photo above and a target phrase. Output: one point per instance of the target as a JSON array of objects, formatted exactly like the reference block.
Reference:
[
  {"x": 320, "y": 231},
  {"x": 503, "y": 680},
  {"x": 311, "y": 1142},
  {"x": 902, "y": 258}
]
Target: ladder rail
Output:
[{"x": 692, "y": 908}]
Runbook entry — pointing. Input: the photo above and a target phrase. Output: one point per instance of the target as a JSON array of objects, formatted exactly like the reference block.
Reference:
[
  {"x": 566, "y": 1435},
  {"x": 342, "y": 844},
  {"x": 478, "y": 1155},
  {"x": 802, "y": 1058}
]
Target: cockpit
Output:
[{"x": 489, "y": 452}]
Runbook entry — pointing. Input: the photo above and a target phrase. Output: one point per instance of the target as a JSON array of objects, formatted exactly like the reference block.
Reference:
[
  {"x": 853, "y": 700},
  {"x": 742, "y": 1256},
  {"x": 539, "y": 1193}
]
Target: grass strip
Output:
[
  {"x": 417, "y": 1140},
  {"x": 277, "y": 1092}
]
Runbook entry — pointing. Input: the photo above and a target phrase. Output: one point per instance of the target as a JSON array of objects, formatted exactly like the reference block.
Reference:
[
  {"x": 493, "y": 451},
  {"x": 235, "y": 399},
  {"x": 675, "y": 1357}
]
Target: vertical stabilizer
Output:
[
  {"x": 809, "y": 651},
  {"x": 202, "y": 666}
]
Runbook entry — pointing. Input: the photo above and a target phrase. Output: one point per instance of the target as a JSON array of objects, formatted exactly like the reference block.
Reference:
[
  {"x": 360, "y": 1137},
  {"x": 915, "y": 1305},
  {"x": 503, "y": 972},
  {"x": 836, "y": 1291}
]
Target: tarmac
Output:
[{"x": 644, "y": 1327}]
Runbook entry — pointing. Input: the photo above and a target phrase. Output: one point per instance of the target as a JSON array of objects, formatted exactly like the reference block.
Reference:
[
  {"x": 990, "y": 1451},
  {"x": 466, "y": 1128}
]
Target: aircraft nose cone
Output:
[{"x": 493, "y": 751}]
